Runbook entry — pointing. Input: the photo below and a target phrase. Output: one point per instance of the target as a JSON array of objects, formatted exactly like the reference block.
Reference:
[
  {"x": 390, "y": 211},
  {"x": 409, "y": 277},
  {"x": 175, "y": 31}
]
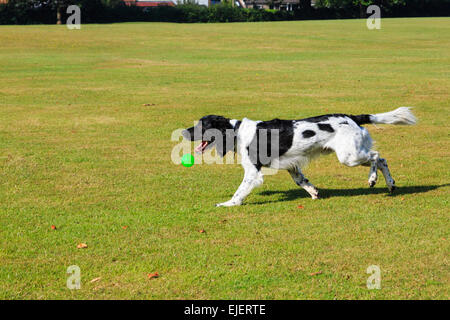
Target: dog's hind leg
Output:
[
  {"x": 383, "y": 166},
  {"x": 352, "y": 148},
  {"x": 373, "y": 176},
  {"x": 301, "y": 181}
]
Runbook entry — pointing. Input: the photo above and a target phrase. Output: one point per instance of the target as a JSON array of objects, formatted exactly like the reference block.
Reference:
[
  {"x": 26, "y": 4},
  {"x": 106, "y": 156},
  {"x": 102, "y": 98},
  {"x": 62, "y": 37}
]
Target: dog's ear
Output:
[{"x": 228, "y": 135}]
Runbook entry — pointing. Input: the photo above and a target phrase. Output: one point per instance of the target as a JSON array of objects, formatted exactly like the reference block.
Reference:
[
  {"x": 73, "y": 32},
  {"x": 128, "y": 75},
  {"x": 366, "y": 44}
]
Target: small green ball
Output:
[{"x": 187, "y": 160}]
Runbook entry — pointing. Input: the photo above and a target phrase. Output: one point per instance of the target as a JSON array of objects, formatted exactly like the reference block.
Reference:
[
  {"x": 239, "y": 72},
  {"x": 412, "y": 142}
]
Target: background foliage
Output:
[{"x": 105, "y": 11}]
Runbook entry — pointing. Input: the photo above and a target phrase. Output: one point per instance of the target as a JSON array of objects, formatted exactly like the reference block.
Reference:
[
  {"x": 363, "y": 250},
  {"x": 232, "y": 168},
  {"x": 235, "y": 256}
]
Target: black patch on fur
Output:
[
  {"x": 237, "y": 125},
  {"x": 324, "y": 117},
  {"x": 260, "y": 149},
  {"x": 344, "y": 122},
  {"x": 359, "y": 119},
  {"x": 325, "y": 127},
  {"x": 308, "y": 134}
]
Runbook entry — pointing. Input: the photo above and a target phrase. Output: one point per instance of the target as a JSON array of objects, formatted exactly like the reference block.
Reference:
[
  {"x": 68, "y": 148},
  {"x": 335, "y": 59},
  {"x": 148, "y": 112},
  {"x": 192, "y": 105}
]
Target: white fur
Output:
[{"x": 402, "y": 115}]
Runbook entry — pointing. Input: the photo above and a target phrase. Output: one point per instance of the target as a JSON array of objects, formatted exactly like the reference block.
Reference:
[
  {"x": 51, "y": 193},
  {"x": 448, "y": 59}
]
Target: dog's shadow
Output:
[{"x": 299, "y": 193}]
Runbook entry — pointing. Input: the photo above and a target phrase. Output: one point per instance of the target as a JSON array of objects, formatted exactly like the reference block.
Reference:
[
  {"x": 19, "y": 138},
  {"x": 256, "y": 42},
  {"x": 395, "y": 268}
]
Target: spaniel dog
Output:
[{"x": 290, "y": 144}]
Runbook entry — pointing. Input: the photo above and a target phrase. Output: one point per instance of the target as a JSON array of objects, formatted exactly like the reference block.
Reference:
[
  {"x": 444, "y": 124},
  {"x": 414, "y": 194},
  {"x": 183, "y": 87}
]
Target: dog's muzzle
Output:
[{"x": 189, "y": 134}]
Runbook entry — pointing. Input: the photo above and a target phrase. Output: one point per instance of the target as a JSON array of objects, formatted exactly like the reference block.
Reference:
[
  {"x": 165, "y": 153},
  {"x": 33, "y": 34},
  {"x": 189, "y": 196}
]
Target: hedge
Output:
[{"x": 94, "y": 11}]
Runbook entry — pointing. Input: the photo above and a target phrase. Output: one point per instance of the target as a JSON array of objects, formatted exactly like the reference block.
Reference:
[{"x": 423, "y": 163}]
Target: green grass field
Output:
[{"x": 86, "y": 118}]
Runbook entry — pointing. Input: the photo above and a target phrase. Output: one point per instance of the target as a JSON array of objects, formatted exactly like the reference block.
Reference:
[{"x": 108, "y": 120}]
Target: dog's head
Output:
[{"x": 212, "y": 130}]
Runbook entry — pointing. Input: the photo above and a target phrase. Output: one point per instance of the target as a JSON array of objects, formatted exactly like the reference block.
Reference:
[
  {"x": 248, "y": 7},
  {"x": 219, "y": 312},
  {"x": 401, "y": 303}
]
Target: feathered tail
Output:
[{"x": 402, "y": 115}]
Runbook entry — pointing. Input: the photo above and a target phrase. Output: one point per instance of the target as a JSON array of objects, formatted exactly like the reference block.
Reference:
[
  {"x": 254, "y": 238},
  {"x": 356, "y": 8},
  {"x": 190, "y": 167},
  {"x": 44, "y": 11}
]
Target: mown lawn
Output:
[{"x": 86, "y": 118}]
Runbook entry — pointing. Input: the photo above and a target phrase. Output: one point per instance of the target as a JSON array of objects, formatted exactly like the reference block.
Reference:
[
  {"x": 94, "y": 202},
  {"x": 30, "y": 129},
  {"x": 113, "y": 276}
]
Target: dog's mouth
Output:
[{"x": 201, "y": 147}]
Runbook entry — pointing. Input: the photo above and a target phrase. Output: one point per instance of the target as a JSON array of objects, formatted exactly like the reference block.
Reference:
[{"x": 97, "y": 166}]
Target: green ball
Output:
[{"x": 187, "y": 160}]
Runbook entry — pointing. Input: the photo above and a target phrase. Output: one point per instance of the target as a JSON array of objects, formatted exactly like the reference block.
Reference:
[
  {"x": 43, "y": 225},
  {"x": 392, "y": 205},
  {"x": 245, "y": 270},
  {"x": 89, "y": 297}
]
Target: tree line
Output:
[{"x": 107, "y": 11}]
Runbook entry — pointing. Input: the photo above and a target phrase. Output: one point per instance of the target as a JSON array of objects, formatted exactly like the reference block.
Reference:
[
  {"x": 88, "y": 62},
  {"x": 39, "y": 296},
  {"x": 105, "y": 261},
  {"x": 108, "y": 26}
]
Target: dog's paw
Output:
[
  {"x": 229, "y": 203},
  {"x": 391, "y": 185},
  {"x": 373, "y": 180},
  {"x": 392, "y": 188}
]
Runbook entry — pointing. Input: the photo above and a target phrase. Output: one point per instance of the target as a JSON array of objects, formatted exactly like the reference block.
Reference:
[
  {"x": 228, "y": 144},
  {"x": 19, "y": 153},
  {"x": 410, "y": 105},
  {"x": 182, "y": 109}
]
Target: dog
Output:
[{"x": 290, "y": 144}]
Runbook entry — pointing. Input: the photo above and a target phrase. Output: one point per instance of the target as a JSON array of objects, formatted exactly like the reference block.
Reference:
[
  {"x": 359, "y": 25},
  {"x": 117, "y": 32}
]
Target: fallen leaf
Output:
[
  {"x": 124, "y": 227},
  {"x": 315, "y": 273},
  {"x": 53, "y": 227},
  {"x": 153, "y": 275},
  {"x": 202, "y": 231},
  {"x": 301, "y": 207},
  {"x": 95, "y": 280},
  {"x": 82, "y": 246},
  {"x": 403, "y": 199}
]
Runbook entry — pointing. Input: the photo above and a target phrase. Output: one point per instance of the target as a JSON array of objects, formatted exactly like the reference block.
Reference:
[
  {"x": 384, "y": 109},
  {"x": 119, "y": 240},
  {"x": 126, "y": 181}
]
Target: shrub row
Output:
[{"x": 94, "y": 11}]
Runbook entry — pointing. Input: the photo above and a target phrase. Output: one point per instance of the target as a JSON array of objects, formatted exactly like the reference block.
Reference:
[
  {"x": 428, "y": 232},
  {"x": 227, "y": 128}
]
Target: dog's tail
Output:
[{"x": 402, "y": 115}]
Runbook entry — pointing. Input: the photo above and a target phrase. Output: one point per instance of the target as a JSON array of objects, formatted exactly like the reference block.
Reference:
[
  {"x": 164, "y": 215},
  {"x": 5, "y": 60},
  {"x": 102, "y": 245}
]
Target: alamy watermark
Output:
[
  {"x": 74, "y": 20},
  {"x": 74, "y": 280},
  {"x": 224, "y": 147},
  {"x": 374, "y": 280},
  {"x": 374, "y": 20}
]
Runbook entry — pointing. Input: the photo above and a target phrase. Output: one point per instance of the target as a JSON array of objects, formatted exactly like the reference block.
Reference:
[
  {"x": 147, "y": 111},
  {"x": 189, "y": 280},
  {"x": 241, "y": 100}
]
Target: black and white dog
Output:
[{"x": 290, "y": 144}]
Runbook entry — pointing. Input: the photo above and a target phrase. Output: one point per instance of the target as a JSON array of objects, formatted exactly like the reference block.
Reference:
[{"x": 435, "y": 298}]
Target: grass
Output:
[{"x": 79, "y": 149}]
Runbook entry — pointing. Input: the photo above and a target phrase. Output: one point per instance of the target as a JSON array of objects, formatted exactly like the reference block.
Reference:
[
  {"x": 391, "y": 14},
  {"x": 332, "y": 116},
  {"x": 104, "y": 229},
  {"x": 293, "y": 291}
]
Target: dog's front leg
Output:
[{"x": 252, "y": 179}]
